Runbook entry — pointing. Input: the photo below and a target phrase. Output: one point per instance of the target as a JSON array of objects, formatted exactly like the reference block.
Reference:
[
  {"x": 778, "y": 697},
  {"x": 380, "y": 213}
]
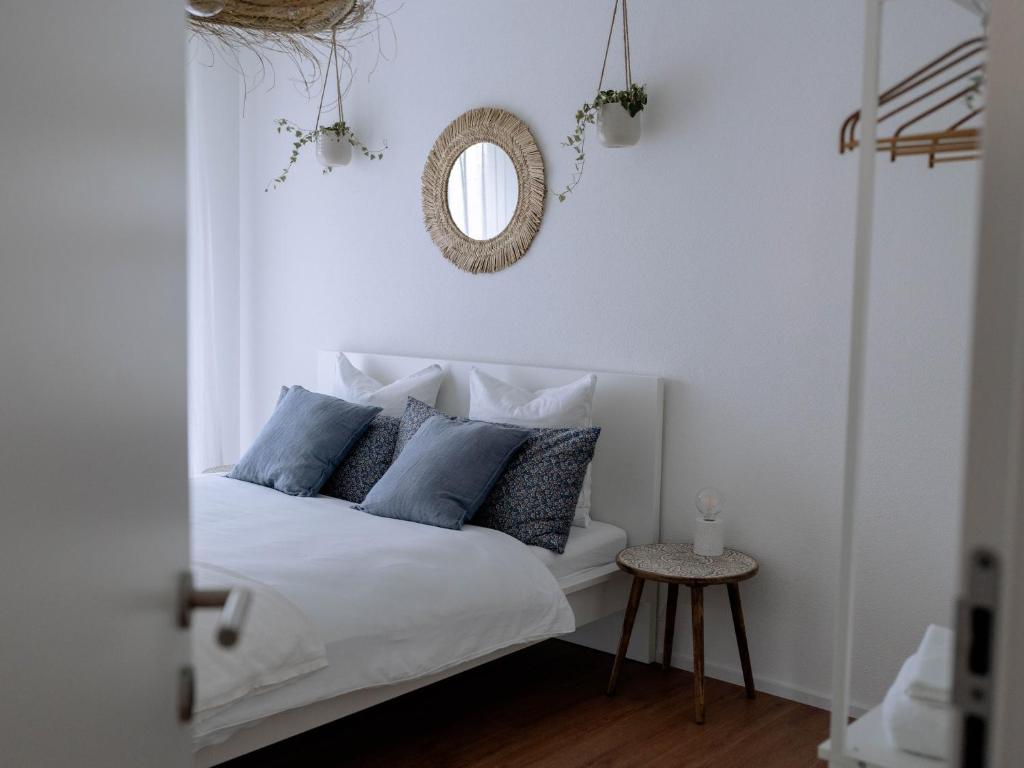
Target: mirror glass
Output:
[{"x": 483, "y": 190}]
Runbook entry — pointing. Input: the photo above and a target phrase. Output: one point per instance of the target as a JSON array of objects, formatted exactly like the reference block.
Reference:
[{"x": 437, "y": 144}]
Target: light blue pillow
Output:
[
  {"x": 366, "y": 463},
  {"x": 303, "y": 442},
  {"x": 445, "y": 472}
]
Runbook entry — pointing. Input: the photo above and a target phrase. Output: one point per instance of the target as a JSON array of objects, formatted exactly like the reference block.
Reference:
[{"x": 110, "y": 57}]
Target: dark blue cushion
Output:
[
  {"x": 366, "y": 463},
  {"x": 535, "y": 498},
  {"x": 303, "y": 442},
  {"x": 445, "y": 472}
]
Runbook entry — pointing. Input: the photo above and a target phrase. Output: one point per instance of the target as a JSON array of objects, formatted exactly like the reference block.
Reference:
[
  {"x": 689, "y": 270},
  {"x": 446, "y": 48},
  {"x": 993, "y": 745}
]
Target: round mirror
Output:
[{"x": 483, "y": 190}]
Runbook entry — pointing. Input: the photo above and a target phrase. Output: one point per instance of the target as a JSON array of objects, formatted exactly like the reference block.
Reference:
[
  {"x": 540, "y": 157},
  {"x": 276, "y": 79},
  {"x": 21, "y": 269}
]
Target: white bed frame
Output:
[{"x": 626, "y": 492}]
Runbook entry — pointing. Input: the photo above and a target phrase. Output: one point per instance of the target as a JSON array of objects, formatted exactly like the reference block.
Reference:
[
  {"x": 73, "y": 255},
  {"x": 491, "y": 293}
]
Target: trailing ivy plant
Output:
[
  {"x": 339, "y": 129},
  {"x": 633, "y": 99}
]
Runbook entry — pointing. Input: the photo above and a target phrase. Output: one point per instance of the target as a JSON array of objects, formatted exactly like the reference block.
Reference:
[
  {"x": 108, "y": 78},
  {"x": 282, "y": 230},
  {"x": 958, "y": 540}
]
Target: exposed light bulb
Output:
[
  {"x": 204, "y": 9},
  {"x": 709, "y": 503}
]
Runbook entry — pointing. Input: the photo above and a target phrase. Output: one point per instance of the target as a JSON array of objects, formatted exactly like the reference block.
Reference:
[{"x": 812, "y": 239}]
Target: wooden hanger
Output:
[{"x": 939, "y": 91}]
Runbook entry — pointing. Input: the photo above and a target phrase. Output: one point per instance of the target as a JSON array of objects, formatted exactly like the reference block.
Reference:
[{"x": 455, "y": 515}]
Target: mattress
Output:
[{"x": 587, "y": 548}]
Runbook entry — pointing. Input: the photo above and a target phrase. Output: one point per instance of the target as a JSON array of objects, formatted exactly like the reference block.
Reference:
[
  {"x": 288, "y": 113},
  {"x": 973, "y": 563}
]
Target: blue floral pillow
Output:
[
  {"x": 366, "y": 463},
  {"x": 535, "y": 499}
]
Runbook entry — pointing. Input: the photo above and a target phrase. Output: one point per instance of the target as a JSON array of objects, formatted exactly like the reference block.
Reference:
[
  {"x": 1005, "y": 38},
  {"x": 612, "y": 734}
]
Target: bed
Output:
[{"x": 519, "y": 595}]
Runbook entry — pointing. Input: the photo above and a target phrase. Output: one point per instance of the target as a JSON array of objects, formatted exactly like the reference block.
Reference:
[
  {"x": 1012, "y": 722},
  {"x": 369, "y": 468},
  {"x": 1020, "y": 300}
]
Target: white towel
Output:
[
  {"x": 930, "y": 677},
  {"x": 913, "y": 725}
]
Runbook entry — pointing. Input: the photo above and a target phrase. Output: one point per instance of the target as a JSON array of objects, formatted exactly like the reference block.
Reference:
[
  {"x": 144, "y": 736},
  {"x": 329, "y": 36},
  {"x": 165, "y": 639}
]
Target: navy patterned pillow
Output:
[
  {"x": 535, "y": 499},
  {"x": 366, "y": 463}
]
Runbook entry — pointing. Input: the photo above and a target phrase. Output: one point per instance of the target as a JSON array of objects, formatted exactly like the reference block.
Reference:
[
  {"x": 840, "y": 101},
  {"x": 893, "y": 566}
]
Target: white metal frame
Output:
[
  {"x": 835, "y": 750},
  {"x": 626, "y": 491}
]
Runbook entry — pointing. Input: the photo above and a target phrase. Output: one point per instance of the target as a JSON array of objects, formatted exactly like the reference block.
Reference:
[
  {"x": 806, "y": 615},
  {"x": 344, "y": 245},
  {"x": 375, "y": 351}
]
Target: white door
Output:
[
  {"x": 93, "y": 495},
  {"x": 990, "y": 629}
]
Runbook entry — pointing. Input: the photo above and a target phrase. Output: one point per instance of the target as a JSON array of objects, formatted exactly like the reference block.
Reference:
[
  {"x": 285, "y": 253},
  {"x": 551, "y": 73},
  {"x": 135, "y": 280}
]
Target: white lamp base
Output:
[{"x": 708, "y": 539}]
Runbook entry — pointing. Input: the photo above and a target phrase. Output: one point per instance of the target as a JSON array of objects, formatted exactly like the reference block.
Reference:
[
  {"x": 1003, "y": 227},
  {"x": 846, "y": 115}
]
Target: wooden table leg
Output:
[
  {"x": 670, "y": 624},
  {"x": 741, "y": 638},
  {"x": 627, "y": 629},
  {"x": 697, "y": 612}
]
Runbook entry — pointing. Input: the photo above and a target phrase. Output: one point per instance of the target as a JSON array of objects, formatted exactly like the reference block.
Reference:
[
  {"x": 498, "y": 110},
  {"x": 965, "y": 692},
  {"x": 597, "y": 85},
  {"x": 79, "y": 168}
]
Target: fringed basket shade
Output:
[
  {"x": 499, "y": 127},
  {"x": 290, "y": 17},
  {"x": 299, "y": 29}
]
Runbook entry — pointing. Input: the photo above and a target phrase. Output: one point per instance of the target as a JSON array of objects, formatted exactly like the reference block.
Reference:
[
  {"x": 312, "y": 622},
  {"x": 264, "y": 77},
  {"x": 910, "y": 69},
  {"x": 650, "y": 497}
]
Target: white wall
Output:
[{"x": 717, "y": 253}]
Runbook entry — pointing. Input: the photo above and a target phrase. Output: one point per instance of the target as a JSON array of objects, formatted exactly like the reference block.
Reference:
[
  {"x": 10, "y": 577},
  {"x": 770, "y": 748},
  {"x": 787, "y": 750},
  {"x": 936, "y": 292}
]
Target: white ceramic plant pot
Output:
[
  {"x": 333, "y": 150},
  {"x": 616, "y": 128}
]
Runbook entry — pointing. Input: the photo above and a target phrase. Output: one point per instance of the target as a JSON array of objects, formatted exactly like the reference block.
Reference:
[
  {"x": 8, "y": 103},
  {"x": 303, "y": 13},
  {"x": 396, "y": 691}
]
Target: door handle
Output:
[{"x": 234, "y": 605}]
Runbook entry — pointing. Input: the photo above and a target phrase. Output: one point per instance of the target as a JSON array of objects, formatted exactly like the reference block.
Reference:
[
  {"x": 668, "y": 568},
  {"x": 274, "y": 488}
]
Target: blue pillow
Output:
[
  {"x": 445, "y": 472},
  {"x": 535, "y": 498},
  {"x": 303, "y": 442},
  {"x": 366, "y": 463}
]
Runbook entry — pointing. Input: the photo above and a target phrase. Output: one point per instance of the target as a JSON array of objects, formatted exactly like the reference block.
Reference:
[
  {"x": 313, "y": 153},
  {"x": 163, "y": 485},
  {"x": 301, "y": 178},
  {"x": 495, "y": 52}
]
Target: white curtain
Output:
[{"x": 212, "y": 114}]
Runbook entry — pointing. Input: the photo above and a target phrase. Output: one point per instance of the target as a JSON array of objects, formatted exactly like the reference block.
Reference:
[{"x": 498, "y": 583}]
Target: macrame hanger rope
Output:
[
  {"x": 323, "y": 89},
  {"x": 333, "y": 55},
  {"x": 337, "y": 73},
  {"x": 608, "y": 45},
  {"x": 625, "y": 44}
]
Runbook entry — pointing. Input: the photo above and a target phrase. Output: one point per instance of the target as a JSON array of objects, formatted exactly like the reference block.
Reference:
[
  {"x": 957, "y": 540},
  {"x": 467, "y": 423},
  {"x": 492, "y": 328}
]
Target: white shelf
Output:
[{"x": 867, "y": 747}]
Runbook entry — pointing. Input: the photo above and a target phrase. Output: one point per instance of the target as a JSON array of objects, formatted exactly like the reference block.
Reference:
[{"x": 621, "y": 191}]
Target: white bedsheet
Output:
[
  {"x": 597, "y": 544},
  {"x": 391, "y": 600}
]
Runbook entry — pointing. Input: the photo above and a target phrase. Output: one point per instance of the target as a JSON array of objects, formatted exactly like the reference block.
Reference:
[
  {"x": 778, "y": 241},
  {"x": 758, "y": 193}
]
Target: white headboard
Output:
[{"x": 627, "y": 464}]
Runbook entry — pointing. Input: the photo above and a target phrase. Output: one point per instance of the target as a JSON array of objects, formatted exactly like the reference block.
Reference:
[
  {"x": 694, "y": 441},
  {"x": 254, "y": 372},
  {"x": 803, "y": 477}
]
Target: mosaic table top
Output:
[{"x": 678, "y": 563}]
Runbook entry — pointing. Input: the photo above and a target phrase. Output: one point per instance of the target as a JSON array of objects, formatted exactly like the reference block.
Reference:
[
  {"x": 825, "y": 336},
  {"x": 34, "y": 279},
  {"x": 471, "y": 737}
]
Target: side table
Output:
[{"x": 676, "y": 564}]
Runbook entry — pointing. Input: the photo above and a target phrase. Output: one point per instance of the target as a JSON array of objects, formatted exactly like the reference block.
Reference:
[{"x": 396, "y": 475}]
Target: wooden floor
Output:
[{"x": 546, "y": 706}]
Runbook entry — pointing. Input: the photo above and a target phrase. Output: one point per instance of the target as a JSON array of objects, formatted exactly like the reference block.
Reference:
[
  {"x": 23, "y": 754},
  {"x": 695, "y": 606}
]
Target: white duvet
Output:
[
  {"x": 278, "y": 644},
  {"x": 395, "y": 600}
]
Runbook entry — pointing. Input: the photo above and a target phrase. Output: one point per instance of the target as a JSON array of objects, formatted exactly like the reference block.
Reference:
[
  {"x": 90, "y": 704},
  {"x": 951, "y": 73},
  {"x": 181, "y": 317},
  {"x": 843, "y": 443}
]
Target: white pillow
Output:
[
  {"x": 572, "y": 405},
  {"x": 356, "y": 387}
]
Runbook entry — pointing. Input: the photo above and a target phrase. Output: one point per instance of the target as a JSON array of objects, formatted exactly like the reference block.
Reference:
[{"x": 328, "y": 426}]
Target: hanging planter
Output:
[
  {"x": 617, "y": 126},
  {"x": 617, "y": 114},
  {"x": 334, "y": 142},
  {"x": 333, "y": 150}
]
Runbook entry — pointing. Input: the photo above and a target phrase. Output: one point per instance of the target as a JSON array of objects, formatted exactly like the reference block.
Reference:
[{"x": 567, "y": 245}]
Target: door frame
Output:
[{"x": 992, "y": 533}]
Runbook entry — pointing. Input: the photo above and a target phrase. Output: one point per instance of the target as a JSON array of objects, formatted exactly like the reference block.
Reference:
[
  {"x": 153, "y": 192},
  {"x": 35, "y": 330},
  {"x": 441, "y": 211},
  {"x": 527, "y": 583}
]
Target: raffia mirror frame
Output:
[{"x": 486, "y": 124}]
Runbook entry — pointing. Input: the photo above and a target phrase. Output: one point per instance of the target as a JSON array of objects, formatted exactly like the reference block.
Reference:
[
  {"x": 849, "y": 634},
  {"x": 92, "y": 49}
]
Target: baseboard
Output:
[
  {"x": 734, "y": 675},
  {"x": 645, "y": 646}
]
